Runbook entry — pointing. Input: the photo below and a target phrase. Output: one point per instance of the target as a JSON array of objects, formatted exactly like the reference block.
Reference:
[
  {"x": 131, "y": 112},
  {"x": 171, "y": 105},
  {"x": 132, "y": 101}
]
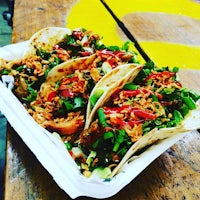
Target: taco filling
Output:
[
  {"x": 154, "y": 99},
  {"x": 56, "y": 82},
  {"x": 80, "y": 60},
  {"x": 30, "y": 72}
]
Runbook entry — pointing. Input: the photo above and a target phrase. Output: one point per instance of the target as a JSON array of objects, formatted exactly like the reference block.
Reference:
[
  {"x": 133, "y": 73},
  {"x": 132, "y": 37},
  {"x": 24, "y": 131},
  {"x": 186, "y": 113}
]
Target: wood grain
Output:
[
  {"x": 175, "y": 175},
  {"x": 31, "y": 16},
  {"x": 171, "y": 28}
]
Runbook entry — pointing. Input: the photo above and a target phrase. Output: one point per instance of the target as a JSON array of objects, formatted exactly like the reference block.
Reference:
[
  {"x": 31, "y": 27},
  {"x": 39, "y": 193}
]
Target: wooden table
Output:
[{"x": 173, "y": 175}]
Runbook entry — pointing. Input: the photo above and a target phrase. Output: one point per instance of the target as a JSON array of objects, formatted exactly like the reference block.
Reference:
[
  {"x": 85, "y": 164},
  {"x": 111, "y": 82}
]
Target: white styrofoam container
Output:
[{"x": 52, "y": 154}]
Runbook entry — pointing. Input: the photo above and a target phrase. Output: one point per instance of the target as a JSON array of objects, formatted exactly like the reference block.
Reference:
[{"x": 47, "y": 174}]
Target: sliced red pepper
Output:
[
  {"x": 175, "y": 82},
  {"x": 51, "y": 95},
  {"x": 108, "y": 110},
  {"x": 160, "y": 74},
  {"x": 119, "y": 54},
  {"x": 106, "y": 52},
  {"x": 84, "y": 53},
  {"x": 119, "y": 122},
  {"x": 135, "y": 122},
  {"x": 160, "y": 96},
  {"x": 78, "y": 34},
  {"x": 144, "y": 114},
  {"x": 112, "y": 62},
  {"x": 131, "y": 93},
  {"x": 116, "y": 93},
  {"x": 178, "y": 83},
  {"x": 67, "y": 93},
  {"x": 71, "y": 153},
  {"x": 138, "y": 112}
]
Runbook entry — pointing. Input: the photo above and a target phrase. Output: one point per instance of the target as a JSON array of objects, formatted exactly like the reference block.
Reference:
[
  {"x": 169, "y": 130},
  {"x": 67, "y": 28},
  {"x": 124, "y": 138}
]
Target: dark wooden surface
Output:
[
  {"x": 31, "y": 16},
  {"x": 173, "y": 175}
]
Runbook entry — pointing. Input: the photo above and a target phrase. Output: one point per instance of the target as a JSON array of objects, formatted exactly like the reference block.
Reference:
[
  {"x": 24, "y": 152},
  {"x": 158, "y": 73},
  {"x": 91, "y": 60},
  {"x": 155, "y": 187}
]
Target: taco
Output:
[
  {"x": 46, "y": 49},
  {"x": 55, "y": 46},
  {"x": 62, "y": 101},
  {"x": 136, "y": 113},
  {"x": 67, "y": 44},
  {"x": 57, "y": 74},
  {"x": 46, "y": 39},
  {"x": 100, "y": 94}
]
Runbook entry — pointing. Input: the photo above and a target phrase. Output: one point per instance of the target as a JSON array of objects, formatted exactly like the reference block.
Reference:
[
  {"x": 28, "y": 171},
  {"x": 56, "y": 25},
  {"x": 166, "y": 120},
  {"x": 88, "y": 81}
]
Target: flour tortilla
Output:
[
  {"x": 64, "y": 69},
  {"x": 107, "y": 83},
  {"x": 190, "y": 123},
  {"x": 115, "y": 79},
  {"x": 45, "y": 39}
]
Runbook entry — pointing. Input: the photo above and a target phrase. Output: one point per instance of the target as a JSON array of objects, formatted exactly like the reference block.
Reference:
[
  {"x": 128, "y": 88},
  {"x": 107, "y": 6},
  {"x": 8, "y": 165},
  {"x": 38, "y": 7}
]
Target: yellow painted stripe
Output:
[
  {"x": 183, "y": 7},
  {"x": 92, "y": 15},
  {"x": 165, "y": 54}
]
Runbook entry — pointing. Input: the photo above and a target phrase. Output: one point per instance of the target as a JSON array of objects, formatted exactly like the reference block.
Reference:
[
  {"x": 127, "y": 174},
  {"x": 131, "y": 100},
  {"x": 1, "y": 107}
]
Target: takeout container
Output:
[{"x": 52, "y": 154}]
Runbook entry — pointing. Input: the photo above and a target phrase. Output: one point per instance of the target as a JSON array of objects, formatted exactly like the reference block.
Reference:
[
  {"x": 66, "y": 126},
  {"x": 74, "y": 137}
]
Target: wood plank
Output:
[
  {"x": 168, "y": 34},
  {"x": 31, "y": 16},
  {"x": 174, "y": 175}
]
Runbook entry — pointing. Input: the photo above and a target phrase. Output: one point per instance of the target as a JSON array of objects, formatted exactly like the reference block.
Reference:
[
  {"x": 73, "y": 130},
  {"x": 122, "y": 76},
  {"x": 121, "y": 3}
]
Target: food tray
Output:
[{"x": 52, "y": 154}]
